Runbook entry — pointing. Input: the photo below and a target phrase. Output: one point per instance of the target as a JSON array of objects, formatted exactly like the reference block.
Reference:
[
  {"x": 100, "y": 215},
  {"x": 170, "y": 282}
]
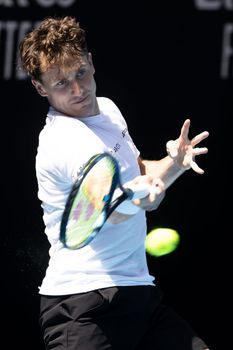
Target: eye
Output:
[
  {"x": 61, "y": 83},
  {"x": 80, "y": 73}
]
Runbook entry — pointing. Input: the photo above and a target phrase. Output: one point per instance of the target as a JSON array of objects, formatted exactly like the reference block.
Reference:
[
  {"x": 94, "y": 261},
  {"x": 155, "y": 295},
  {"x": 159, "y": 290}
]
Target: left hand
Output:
[{"x": 183, "y": 150}]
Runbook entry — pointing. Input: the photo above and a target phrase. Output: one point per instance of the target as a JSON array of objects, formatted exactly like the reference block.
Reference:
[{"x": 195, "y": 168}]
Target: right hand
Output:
[
  {"x": 148, "y": 203},
  {"x": 156, "y": 195}
]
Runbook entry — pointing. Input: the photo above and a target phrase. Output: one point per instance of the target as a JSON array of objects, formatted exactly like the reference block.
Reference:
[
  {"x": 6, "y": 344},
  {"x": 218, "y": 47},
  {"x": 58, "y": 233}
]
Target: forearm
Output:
[{"x": 165, "y": 169}]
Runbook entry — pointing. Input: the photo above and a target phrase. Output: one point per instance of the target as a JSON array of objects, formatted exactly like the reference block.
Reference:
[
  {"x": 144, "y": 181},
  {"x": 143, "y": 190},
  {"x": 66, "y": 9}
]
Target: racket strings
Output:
[{"x": 90, "y": 202}]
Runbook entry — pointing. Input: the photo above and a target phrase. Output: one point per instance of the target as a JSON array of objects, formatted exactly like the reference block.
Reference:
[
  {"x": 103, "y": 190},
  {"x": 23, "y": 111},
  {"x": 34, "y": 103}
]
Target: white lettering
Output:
[
  {"x": 61, "y": 3},
  {"x": 23, "y": 29},
  {"x": 213, "y": 5},
  {"x": 13, "y": 33},
  {"x": 42, "y": 3},
  {"x": 46, "y": 3},
  {"x": 65, "y": 3},
  {"x": 229, "y": 4},
  {"x": 9, "y": 28},
  {"x": 208, "y": 4},
  {"x": 23, "y": 3},
  {"x": 7, "y": 3},
  {"x": 227, "y": 51},
  {"x": 10, "y": 3}
]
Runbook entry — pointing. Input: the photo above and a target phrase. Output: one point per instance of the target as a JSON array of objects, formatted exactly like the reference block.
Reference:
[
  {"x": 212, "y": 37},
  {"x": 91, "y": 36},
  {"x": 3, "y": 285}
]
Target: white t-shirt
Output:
[{"x": 116, "y": 256}]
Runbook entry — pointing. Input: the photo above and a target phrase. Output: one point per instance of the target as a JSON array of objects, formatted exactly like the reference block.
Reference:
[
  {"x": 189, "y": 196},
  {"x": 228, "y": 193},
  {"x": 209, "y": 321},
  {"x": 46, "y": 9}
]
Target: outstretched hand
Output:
[{"x": 183, "y": 150}]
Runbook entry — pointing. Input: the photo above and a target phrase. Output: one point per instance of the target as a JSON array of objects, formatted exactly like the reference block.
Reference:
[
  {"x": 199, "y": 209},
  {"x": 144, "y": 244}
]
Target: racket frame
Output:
[{"x": 109, "y": 205}]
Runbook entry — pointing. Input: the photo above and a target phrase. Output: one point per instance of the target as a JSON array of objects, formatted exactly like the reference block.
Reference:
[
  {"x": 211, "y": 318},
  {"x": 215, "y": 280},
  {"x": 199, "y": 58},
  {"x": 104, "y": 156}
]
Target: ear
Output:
[
  {"x": 39, "y": 87},
  {"x": 90, "y": 61}
]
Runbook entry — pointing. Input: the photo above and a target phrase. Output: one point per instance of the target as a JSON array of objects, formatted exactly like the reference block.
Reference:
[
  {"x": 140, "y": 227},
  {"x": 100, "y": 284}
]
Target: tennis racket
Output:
[{"x": 96, "y": 193}]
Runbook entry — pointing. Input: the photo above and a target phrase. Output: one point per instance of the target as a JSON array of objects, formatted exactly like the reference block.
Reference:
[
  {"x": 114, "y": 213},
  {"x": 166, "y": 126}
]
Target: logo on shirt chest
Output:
[
  {"x": 118, "y": 145},
  {"x": 124, "y": 132}
]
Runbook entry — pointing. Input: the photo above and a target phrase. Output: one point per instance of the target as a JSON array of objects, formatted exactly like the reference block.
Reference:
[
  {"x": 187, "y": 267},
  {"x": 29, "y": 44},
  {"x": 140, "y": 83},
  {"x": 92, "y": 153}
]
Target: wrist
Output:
[{"x": 176, "y": 165}]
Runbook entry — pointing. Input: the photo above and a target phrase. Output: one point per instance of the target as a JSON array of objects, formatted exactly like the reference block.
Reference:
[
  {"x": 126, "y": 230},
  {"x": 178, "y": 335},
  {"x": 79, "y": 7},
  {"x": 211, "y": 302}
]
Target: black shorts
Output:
[{"x": 119, "y": 318}]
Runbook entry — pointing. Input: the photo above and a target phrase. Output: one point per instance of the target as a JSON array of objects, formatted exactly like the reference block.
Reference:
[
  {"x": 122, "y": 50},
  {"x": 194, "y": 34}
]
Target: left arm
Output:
[{"x": 160, "y": 174}]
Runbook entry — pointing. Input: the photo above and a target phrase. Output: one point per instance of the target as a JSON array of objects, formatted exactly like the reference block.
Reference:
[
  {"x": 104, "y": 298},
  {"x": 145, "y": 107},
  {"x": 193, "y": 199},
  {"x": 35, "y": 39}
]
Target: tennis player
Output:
[{"x": 101, "y": 296}]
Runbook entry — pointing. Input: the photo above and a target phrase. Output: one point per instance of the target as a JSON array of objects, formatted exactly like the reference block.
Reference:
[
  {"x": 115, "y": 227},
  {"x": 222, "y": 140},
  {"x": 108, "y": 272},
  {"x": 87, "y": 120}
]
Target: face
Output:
[{"x": 71, "y": 91}]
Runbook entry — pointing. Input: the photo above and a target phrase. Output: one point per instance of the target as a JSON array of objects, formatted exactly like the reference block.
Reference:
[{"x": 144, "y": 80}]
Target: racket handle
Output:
[{"x": 138, "y": 191}]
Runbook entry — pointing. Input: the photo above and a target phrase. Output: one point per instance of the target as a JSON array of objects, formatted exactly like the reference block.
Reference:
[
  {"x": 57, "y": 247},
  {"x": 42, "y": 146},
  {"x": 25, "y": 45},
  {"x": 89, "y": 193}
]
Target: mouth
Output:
[{"x": 79, "y": 100}]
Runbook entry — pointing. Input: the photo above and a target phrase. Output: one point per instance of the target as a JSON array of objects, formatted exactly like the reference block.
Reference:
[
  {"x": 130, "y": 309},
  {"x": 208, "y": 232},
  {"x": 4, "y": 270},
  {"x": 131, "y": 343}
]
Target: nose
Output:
[{"x": 76, "y": 88}]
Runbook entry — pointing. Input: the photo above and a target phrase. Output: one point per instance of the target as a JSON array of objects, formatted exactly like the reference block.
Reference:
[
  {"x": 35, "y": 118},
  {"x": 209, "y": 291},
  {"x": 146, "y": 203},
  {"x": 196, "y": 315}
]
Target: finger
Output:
[
  {"x": 185, "y": 129},
  {"x": 156, "y": 189},
  {"x": 198, "y": 138},
  {"x": 172, "y": 150},
  {"x": 196, "y": 168},
  {"x": 199, "y": 150},
  {"x": 156, "y": 202}
]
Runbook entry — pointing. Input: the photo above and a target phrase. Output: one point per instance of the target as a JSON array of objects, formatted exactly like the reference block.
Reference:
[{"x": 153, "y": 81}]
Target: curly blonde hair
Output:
[{"x": 54, "y": 41}]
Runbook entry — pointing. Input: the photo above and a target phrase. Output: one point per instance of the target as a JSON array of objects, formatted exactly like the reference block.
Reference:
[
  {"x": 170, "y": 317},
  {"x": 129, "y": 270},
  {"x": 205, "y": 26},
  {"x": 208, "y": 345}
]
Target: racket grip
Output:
[{"x": 138, "y": 191}]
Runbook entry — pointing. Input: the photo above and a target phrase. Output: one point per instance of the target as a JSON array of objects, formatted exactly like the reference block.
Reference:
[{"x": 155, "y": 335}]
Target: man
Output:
[{"x": 101, "y": 296}]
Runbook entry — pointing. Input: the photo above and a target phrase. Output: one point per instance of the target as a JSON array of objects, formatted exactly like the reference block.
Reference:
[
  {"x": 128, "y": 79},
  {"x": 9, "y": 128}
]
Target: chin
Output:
[{"x": 82, "y": 112}]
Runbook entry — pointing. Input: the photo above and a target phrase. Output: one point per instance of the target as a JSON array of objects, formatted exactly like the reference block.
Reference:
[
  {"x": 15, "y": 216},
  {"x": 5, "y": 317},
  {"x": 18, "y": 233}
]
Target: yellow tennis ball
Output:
[{"x": 161, "y": 241}]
